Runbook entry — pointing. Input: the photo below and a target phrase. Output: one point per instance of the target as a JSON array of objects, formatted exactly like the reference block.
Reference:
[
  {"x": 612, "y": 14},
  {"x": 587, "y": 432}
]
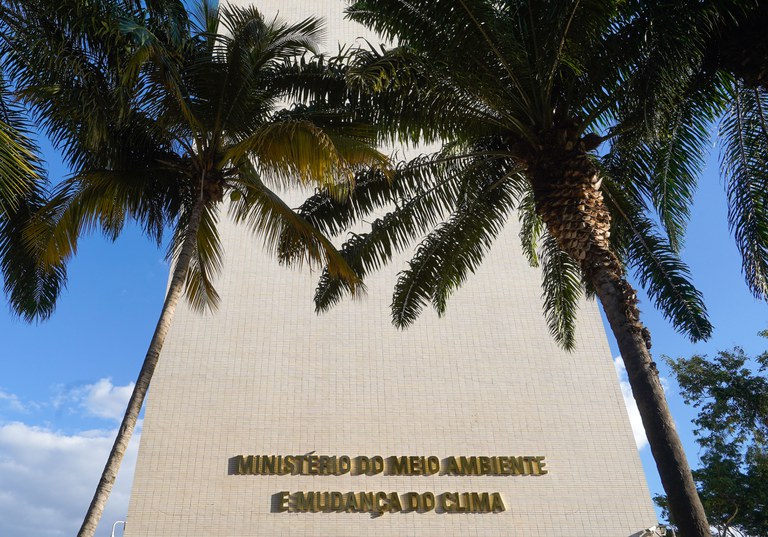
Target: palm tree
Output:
[
  {"x": 163, "y": 118},
  {"x": 524, "y": 94}
]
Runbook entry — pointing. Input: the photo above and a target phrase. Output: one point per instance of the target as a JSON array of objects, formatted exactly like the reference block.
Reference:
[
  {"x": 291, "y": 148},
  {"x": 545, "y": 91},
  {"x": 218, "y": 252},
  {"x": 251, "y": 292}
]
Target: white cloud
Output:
[
  {"x": 101, "y": 399},
  {"x": 47, "y": 479},
  {"x": 104, "y": 400},
  {"x": 12, "y": 401},
  {"x": 634, "y": 414}
]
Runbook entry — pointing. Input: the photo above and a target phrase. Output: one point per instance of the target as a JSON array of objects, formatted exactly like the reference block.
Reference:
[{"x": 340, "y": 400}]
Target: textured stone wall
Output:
[{"x": 266, "y": 376}]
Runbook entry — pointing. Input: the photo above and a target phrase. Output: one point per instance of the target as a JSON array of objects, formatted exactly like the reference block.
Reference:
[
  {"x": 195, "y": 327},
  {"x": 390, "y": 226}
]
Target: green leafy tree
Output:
[
  {"x": 163, "y": 117},
  {"x": 524, "y": 94},
  {"x": 731, "y": 395}
]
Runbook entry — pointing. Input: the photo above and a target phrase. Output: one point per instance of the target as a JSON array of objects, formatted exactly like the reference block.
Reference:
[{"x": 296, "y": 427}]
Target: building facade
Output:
[{"x": 267, "y": 419}]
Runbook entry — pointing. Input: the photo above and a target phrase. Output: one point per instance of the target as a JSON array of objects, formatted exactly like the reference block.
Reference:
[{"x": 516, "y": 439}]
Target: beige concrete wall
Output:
[{"x": 265, "y": 375}]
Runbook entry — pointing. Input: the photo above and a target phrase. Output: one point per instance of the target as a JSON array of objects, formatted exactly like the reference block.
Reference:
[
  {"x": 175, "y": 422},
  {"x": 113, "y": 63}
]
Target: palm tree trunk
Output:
[
  {"x": 136, "y": 401},
  {"x": 567, "y": 190},
  {"x": 620, "y": 306}
]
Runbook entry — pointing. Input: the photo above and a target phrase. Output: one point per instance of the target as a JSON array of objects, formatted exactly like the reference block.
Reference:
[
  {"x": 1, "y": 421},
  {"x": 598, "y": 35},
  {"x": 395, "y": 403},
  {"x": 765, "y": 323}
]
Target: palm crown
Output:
[
  {"x": 508, "y": 86},
  {"x": 523, "y": 94},
  {"x": 193, "y": 118}
]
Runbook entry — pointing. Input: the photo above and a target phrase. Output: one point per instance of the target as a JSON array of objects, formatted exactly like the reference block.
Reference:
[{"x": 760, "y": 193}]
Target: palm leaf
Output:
[
  {"x": 20, "y": 165},
  {"x": 298, "y": 152},
  {"x": 206, "y": 263},
  {"x": 455, "y": 248},
  {"x": 103, "y": 200},
  {"x": 286, "y": 234},
  {"x": 666, "y": 163},
  {"x": 562, "y": 289},
  {"x": 373, "y": 189},
  {"x": 417, "y": 99},
  {"x": 424, "y": 191},
  {"x": 656, "y": 264},
  {"x": 745, "y": 163},
  {"x": 32, "y": 287},
  {"x": 531, "y": 229}
]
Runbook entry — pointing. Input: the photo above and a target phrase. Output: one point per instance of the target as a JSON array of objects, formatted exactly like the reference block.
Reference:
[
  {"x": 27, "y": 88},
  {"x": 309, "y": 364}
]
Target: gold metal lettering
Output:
[
  {"x": 303, "y": 501},
  {"x": 268, "y": 464},
  {"x": 351, "y": 504},
  {"x": 244, "y": 465},
  {"x": 345, "y": 465},
  {"x": 497, "y": 504},
  {"x": 452, "y": 466},
  {"x": 282, "y": 468},
  {"x": 466, "y": 507},
  {"x": 433, "y": 465},
  {"x": 529, "y": 465},
  {"x": 394, "y": 503},
  {"x": 322, "y": 465},
  {"x": 282, "y": 501},
  {"x": 289, "y": 461},
  {"x": 482, "y": 502},
  {"x": 366, "y": 502},
  {"x": 363, "y": 465},
  {"x": 503, "y": 465},
  {"x": 398, "y": 465},
  {"x": 412, "y": 501},
  {"x": 448, "y": 504},
  {"x": 414, "y": 465},
  {"x": 312, "y": 462},
  {"x": 516, "y": 466},
  {"x": 381, "y": 506},
  {"x": 469, "y": 466},
  {"x": 377, "y": 465},
  {"x": 485, "y": 465}
]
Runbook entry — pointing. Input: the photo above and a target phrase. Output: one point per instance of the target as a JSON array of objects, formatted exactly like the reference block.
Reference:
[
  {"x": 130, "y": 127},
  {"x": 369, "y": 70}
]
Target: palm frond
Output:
[
  {"x": 656, "y": 265},
  {"x": 293, "y": 240},
  {"x": 416, "y": 99},
  {"x": 745, "y": 163},
  {"x": 206, "y": 262},
  {"x": 32, "y": 287},
  {"x": 103, "y": 200},
  {"x": 424, "y": 191},
  {"x": 373, "y": 189},
  {"x": 454, "y": 249},
  {"x": 291, "y": 152},
  {"x": 562, "y": 289},
  {"x": 531, "y": 229},
  {"x": 311, "y": 79},
  {"x": 273, "y": 40},
  {"x": 21, "y": 169},
  {"x": 667, "y": 163}
]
